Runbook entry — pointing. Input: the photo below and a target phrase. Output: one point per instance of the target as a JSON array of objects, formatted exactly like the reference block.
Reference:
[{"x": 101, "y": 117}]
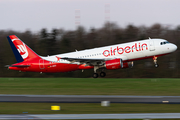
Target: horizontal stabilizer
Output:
[{"x": 19, "y": 65}]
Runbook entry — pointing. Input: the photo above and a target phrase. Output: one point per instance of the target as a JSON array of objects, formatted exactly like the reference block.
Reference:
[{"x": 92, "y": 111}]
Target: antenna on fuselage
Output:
[{"x": 149, "y": 38}]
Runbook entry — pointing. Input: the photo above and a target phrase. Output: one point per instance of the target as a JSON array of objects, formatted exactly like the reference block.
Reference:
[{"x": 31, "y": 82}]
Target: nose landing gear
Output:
[{"x": 155, "y": 62}]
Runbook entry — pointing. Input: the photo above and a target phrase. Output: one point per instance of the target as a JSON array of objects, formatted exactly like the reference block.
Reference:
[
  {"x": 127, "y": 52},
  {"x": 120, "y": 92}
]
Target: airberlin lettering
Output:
[{"x": 127, "y": 49}]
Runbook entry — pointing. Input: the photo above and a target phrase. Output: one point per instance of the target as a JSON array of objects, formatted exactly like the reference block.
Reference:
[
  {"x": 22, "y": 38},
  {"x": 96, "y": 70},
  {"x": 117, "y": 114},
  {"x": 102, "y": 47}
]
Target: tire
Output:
[
  {"x": 156, "y": 65},
  {"x": 102, "y": 74},
  {"x": 95, "y": 75}
]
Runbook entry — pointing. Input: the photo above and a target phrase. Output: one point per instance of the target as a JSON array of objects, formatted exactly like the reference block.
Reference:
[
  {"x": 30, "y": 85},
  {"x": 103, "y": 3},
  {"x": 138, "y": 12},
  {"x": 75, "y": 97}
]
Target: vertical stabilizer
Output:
[{"x": 21, "y": 51}]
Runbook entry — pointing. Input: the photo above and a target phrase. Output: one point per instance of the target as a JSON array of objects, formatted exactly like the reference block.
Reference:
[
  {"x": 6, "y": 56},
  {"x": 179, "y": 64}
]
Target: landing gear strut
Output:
[
  {"x": 95, "y": 75},
  {"x": 155, "y": 62}
]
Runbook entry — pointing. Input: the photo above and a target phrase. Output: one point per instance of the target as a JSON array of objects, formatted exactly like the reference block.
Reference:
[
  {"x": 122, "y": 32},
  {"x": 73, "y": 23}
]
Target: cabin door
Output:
[
  {"x": 41, "y": 64},
  {"x": 151, "y": 45}
]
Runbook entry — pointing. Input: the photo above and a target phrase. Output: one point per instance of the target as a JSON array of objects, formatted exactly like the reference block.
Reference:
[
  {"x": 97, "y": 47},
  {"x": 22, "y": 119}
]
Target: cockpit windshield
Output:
[{"x": 163, "y": 43}]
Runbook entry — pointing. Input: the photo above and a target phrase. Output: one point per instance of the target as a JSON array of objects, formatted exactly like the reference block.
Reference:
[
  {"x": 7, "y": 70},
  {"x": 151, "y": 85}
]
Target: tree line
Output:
[{"x": 59, "y": 41}]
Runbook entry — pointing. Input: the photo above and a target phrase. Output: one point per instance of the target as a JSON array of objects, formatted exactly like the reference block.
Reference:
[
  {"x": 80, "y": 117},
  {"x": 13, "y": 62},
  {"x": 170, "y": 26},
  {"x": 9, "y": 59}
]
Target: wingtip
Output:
[{"x": 7, "y": 65}]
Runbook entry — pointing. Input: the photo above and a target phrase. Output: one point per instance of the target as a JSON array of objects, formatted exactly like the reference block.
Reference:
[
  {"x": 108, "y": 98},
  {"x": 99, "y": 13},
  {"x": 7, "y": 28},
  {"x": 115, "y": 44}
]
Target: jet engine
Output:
[
  {"x": 114, "y": 64},
  {"x": 117, "y": 63}
]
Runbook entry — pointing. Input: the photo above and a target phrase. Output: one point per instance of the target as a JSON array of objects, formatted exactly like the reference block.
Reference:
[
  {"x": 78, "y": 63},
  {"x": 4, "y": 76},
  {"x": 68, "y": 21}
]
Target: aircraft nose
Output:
[{"x": 174, "y": 47}]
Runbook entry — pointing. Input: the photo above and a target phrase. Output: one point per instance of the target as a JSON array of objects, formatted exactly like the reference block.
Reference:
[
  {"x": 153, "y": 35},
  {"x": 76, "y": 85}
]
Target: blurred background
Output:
[{"x": 58, "y": 26}]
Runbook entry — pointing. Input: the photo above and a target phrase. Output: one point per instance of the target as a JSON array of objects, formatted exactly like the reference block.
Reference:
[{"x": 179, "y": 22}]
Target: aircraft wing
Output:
[{"x": 89, "y": 62}]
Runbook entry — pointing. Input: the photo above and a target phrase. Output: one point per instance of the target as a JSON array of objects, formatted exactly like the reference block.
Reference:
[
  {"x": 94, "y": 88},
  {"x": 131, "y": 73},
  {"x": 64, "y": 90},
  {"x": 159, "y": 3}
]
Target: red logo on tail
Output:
[{"x": 20, "y": 46}]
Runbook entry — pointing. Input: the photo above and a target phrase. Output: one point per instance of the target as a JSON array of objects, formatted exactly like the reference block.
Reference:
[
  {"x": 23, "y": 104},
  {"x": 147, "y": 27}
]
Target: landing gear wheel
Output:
[
  {"x": 95, "y": 75},
  {"x": 102, "y": 74},
  {"x": 156, "y": 65}
]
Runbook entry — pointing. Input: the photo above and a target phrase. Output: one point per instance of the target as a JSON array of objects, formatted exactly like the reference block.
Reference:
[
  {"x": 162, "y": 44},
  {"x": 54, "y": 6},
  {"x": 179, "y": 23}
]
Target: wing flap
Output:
[{"x": 87, "y": 61}]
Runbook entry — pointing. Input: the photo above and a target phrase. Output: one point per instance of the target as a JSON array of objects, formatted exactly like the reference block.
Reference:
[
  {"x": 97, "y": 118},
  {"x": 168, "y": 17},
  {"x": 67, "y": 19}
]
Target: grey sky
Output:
[{"x": 34, "y": 15}]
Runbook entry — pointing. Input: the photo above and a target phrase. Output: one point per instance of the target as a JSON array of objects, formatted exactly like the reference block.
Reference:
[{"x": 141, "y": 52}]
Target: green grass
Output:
[
  {"x": 86, "y": 108},
  {"x": 90, "y": 86}
]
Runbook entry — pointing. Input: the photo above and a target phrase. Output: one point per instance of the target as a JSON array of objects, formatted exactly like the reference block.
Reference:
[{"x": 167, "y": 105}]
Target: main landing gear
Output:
[
  {"x": 155, "y": 62},
  {"x": 96, "y": 75},
  {"x": 102, "y": 74}
]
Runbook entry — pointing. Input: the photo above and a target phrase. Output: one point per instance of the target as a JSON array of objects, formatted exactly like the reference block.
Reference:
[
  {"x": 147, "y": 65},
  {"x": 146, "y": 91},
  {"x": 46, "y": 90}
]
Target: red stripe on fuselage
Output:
[{"x": 46, "y": 66}]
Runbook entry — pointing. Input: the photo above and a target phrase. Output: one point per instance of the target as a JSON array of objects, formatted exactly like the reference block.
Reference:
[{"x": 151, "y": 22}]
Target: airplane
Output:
[{"x": 109, "y": 57}]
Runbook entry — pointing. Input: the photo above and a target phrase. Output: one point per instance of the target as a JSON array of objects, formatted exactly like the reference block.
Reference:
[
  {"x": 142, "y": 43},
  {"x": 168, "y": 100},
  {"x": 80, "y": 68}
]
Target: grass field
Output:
[{"x": 90, "y": 86}]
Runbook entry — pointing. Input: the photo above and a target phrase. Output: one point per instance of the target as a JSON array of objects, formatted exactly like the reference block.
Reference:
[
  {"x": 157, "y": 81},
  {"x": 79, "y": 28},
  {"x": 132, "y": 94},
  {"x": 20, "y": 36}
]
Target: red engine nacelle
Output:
[
  {"x": 114, "y": 64},
  {"x": 117, "y": 63}
]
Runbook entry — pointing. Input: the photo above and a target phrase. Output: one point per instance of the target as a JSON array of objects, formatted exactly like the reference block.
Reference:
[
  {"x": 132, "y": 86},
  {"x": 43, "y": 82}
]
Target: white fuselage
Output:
[{"x": 126, "y": 51}]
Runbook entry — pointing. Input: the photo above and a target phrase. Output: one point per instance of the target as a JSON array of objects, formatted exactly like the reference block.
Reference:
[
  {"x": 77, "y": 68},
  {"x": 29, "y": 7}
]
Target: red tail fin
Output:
[{"x": 21, "y": 51}]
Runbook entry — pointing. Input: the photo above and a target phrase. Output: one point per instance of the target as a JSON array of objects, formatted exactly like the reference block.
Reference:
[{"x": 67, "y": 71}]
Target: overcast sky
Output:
[{"x": 34, "y": 15}]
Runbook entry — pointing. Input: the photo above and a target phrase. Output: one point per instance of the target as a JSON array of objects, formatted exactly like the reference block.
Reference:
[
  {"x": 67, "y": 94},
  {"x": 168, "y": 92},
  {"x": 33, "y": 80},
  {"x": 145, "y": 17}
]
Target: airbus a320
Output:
[{"x": 109, "y": 57}]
